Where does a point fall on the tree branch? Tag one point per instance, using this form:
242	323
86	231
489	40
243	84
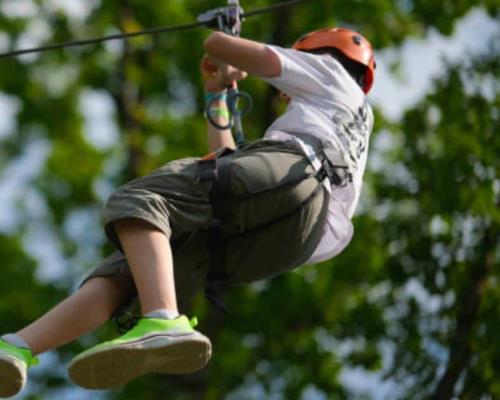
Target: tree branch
460	347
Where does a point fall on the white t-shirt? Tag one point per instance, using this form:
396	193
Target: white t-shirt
327	103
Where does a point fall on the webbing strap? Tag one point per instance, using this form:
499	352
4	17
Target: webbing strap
329	171
212	293
207	169
215	170
217	250
333	165
220	194
217	262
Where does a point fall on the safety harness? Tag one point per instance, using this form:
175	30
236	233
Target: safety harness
216	169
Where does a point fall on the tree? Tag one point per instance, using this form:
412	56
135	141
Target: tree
297	333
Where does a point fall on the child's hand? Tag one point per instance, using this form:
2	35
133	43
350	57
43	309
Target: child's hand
218	75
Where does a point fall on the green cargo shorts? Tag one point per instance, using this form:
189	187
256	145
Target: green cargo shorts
274	219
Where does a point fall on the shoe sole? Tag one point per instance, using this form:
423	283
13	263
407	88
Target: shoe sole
164	354
12	376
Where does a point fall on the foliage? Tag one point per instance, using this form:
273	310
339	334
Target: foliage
413	299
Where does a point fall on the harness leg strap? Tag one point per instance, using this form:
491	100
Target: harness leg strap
211	168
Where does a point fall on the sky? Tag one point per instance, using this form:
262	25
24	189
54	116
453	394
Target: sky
421	61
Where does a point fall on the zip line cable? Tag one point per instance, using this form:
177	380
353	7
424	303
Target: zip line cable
151	31
102	39
273	7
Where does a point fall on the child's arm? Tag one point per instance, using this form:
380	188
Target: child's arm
217	76
227	58
218	138
246	55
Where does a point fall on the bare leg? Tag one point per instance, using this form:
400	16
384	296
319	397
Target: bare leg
150	259
175	347
81	313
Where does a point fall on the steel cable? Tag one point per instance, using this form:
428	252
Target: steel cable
151	31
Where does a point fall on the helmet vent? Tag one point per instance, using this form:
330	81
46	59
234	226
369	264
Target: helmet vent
357	39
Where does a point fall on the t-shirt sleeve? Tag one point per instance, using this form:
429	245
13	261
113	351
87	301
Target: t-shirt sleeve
302	74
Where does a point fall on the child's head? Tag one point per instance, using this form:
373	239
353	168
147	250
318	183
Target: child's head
348	47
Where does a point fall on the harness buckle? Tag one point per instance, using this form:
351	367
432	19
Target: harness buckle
207	169
338	175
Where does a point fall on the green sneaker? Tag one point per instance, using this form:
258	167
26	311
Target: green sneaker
152	346
14	363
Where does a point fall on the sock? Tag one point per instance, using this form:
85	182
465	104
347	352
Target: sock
162	314
15	340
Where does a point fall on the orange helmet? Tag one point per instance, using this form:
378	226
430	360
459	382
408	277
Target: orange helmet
350	43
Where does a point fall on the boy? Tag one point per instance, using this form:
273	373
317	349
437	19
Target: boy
266	208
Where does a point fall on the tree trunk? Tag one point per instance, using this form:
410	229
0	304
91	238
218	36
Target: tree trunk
470	300
127	102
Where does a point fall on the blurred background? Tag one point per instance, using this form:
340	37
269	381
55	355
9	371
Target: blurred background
409	311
